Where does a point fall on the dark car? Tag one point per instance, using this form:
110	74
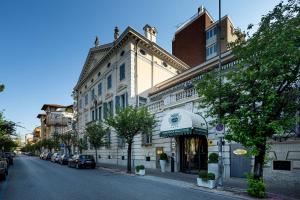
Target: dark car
47	156
82	161
64	159
9	158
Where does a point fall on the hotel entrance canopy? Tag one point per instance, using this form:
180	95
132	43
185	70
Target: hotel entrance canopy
182	122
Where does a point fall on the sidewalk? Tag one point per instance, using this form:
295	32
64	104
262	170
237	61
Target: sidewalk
235	186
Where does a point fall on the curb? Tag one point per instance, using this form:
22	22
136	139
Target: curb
228	191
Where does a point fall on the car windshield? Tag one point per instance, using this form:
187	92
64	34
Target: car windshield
86	157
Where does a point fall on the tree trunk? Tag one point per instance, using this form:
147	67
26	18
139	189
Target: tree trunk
96	156
129	158
259	161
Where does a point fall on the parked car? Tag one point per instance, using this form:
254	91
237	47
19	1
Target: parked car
82	161
57	158
3	168
42	155
9	158
53	157
64	159
47	156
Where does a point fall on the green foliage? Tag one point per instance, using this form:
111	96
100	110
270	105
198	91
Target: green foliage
68	139
163	156
129	122
95	133
259	97
81	143
213	158
2	87
256	188
139	167
205	176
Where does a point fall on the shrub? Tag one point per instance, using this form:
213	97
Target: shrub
213	158
139	167
256	188
163	156
206	176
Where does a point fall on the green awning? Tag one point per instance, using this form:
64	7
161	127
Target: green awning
183	131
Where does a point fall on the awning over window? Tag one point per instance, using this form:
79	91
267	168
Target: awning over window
181	122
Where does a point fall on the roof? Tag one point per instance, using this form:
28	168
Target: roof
45	106
191	73
129	31
40	115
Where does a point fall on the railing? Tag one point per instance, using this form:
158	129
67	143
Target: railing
156	106
171	99
183	95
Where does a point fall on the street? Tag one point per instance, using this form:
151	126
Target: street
34	179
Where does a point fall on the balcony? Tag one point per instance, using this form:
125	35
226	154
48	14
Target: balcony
172	99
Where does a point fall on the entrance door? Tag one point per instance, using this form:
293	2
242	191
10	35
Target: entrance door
239	164
193	153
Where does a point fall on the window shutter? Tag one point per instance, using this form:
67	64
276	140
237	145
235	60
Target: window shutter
105	110
112	108
126	99
117	102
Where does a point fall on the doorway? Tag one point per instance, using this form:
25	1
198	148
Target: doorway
193	153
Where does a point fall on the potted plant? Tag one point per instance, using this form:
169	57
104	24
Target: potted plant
206	179
140	170
213	165
163	159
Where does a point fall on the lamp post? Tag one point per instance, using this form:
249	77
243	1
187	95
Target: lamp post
221	127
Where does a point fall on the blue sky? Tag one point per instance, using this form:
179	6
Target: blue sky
44	43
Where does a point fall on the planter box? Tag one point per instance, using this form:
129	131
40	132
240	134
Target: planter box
213	168
208	184
141	172
162	165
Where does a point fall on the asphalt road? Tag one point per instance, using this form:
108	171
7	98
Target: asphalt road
33	179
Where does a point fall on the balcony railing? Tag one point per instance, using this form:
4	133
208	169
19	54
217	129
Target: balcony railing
172	99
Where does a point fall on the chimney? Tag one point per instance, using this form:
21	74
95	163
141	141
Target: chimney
150	33
116	34
200	9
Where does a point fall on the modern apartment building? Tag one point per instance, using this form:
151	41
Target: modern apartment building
195	41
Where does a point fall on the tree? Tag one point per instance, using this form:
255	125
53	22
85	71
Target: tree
95	133
68	139
129	122
81	143
260	97
2	87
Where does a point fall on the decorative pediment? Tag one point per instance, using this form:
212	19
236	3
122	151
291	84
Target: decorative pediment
121	87
108	95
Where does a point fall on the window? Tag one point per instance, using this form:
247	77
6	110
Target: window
108	65
121	101
165	64
100	113
121	142
93	115
99	89
146	139
211	32
142	52
282	165
107	138
86	99
211	50
108	109
99	73
92	94
122	72
122	53
96	113
80	103
109	82
142	101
